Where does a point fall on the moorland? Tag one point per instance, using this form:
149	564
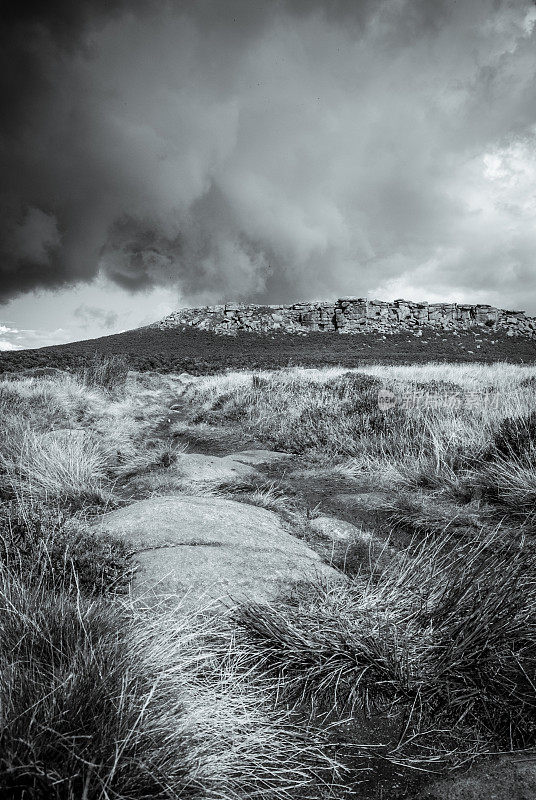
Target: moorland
410	675
185	349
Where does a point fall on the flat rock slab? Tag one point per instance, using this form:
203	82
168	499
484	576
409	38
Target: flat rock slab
259	457
205	549
504	778
195	467
339	529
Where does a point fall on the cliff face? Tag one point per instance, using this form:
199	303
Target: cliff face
351	315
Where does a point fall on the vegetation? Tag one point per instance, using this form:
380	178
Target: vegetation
101	700
445	644
431	640
99	696
203	353
440	637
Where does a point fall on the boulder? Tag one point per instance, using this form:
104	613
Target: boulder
213	550
339	529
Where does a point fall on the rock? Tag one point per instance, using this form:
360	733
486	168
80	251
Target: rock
204	549
195	467
350	315
504	778
259	457
337	529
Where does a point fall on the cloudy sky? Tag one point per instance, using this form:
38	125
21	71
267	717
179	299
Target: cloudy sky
184	152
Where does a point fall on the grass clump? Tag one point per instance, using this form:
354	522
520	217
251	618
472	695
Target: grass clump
69	466
49	548
104	372
515	437
64	441
103	701
444	642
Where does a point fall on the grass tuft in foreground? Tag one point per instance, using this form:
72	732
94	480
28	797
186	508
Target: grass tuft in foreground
444	642
103	700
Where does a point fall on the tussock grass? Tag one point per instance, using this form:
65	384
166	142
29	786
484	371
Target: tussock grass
65	439
46	547
104	372
446	641
100	701
428	514
70	467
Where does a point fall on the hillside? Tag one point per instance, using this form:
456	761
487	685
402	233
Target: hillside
201	352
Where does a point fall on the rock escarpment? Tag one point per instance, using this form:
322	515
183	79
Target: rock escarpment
351	315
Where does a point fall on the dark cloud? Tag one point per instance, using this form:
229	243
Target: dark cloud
269	150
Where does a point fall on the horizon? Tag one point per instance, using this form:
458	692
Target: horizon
169	154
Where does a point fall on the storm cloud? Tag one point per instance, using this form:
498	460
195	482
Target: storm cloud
271	150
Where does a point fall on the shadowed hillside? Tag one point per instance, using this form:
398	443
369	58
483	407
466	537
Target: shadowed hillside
184	349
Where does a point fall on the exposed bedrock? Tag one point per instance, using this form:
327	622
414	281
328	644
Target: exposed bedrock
351	315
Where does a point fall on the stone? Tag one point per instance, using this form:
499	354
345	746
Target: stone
503	778
258	457
201	550
349	315
339	529
196	467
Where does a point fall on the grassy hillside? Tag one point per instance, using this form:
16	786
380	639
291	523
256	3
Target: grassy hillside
199	352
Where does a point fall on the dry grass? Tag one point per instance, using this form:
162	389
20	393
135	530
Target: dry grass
446	641
65	439
443	641
103	701
101	698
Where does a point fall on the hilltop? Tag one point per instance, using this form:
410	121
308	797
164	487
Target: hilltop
191	340
351	315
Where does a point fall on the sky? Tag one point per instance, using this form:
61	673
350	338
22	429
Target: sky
165	153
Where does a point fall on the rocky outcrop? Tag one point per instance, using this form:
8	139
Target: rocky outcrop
351	315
